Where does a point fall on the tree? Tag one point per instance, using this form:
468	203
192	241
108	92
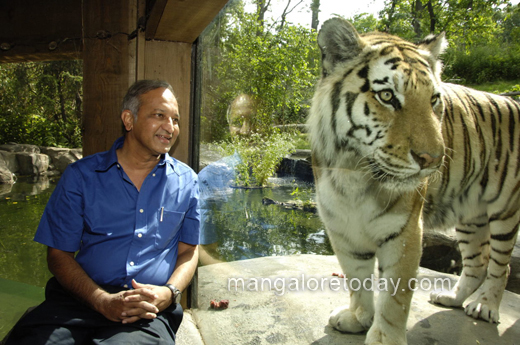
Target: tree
315	9
275	67
41	103
465	21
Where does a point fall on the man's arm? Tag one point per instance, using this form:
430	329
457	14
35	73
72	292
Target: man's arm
113	306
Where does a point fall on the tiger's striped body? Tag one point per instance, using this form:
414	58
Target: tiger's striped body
393	148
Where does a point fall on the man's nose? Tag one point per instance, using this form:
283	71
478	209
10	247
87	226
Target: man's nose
169	125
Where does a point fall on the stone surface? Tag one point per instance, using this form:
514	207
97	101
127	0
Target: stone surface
9	158
23	159
188	333
6	176
13	147
270	317
60	158
32	163
297	164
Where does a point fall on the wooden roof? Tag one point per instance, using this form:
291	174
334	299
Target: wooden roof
35	30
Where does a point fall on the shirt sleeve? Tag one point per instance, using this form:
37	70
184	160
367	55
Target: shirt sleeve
191	225
61	225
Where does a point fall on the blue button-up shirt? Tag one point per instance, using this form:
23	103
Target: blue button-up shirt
121	233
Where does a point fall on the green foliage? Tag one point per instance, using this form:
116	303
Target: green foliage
364	22
40	103
277	66
465	22
483	34
482	64
260	155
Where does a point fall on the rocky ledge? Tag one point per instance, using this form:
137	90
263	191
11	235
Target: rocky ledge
32	160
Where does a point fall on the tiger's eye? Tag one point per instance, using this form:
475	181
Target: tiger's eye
386	95
435	98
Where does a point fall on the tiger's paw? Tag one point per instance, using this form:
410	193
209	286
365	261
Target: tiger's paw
445	298
344	320
378	336
482	309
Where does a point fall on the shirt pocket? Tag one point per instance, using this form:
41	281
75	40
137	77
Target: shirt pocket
169	224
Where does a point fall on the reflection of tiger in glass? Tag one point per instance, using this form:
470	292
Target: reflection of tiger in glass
389	137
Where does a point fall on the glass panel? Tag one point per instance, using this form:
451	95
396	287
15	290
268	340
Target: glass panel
255	172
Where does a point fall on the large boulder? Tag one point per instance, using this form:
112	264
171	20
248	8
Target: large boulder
6	176
60	158
13	147
9	158
32	163
297	164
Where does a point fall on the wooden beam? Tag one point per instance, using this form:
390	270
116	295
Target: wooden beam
171	61
181	20
155	10
35	30
109	68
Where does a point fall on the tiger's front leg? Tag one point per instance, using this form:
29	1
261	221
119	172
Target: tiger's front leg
358	316
398	261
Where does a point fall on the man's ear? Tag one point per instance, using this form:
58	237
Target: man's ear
128	120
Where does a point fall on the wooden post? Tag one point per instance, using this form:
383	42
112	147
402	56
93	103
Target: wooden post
171	61
109	68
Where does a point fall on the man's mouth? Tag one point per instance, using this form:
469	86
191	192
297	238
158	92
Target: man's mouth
164	138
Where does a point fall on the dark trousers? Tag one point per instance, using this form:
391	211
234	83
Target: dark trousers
63	320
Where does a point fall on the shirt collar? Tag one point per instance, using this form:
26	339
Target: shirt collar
109	158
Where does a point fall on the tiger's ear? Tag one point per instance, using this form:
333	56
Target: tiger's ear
434	45
339	41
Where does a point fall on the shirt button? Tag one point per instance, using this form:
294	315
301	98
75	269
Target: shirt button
125	286
141	210
131	263
153	175
139	235
118	166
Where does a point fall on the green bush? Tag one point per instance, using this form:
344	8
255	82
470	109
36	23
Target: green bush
483	64
260	155
41	103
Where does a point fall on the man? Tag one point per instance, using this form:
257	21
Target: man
131	215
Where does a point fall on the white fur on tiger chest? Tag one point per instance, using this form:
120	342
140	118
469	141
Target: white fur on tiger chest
353	210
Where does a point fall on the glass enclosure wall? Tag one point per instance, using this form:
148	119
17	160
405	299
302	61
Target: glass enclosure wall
257	78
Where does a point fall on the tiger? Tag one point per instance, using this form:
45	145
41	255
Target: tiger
396	150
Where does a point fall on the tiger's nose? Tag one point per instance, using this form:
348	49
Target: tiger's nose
425	160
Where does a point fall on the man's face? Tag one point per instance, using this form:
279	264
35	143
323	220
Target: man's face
157	124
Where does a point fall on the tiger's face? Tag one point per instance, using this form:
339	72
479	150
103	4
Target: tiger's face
381	100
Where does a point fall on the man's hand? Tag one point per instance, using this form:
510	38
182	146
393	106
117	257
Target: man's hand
128	306
162	295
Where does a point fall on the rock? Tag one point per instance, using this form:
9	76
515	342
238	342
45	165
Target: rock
5	188
293	298
441	252
32	163
292	205
513	284
10	160
60	158
12	147
6	176
34	160
297	164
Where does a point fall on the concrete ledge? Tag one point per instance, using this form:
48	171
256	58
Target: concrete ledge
188	333
270	317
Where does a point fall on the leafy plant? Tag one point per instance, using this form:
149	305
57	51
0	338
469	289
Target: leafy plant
260	155
41	103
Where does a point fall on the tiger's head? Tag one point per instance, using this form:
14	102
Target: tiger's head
378	105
